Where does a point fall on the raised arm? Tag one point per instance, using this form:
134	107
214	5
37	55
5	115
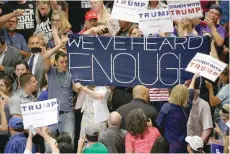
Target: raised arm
8	16
49	53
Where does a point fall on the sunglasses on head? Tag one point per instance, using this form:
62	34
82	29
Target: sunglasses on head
224	110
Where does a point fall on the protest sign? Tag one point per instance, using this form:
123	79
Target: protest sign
127	10
208	66
180	9
125	61
159	94
216	148
39	114
151	21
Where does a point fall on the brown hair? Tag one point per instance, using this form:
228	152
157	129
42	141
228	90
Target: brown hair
24	79
7	83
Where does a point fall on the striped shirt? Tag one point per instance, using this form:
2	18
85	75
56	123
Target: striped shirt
17	144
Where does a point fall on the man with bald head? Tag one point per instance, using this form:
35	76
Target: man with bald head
113	137
140	100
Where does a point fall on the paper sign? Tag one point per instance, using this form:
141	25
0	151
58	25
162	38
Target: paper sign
208	66
159	94
216	148
39	114
127	10
180	9
155	20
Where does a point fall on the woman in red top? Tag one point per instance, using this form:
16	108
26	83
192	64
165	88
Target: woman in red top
141	134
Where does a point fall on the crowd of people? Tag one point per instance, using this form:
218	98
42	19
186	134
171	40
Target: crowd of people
34	67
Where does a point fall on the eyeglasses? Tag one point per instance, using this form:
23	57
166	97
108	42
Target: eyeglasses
224	110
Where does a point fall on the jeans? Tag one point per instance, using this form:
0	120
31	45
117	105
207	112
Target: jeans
66	123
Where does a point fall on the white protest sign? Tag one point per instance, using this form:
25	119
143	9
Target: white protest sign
155	20
208	66
127	10
180	9
39	114
159	94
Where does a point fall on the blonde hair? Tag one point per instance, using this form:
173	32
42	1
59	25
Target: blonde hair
179	95
65	25
103	14
37	13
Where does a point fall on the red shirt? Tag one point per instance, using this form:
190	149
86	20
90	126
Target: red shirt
142	145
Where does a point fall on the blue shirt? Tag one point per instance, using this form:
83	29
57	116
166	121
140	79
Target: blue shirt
17	144
43	95
223	94
17	41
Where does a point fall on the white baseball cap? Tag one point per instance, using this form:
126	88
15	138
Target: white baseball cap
195	142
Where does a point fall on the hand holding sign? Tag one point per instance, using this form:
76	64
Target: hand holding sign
196	75
208	85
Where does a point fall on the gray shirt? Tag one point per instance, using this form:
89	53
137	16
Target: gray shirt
114	139
60	87
19	97
200	118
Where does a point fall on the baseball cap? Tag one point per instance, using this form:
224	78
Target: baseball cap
92	130
16	123
216	7
195	142
91	15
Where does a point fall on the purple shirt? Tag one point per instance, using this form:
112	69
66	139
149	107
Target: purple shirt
220	29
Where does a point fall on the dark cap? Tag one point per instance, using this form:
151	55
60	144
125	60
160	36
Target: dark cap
216	7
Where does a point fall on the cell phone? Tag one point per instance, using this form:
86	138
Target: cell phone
32	130
36	50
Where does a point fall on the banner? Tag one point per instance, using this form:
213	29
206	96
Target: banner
39	114
158	94
208	66
180	9
127	10
216	148
126	61
151	21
